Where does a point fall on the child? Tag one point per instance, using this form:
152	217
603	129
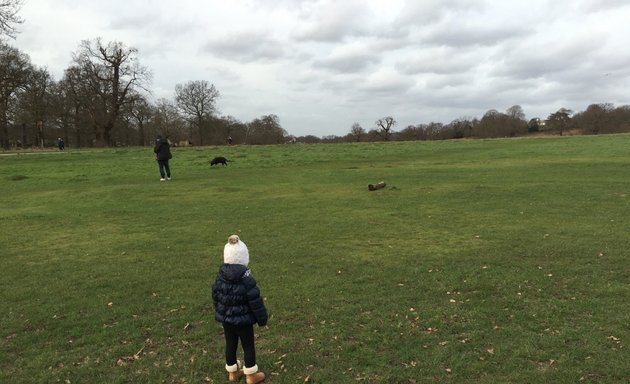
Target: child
238	306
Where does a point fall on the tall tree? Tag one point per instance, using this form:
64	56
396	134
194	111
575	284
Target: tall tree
265	130
9	18
15	69
597	117
167	121
112	71
384	126
197	101
35	107
515	123
559	120
515	112
75	98
462	127
357	131
141	112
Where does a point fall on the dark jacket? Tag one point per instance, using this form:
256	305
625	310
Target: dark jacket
162	150
236	297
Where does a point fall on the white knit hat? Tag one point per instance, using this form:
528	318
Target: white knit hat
235	251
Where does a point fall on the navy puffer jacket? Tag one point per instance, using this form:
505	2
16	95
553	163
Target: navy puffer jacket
236	297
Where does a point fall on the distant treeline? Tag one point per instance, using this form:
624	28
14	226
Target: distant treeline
596	119
102	100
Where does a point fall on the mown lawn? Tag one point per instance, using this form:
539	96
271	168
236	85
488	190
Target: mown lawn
486	261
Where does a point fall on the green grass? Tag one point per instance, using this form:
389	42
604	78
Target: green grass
486	261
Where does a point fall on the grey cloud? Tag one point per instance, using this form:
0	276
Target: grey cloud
348	60
386	82
440	60
332	21
427	12
329	63
472	35
245	47
547	58
604	5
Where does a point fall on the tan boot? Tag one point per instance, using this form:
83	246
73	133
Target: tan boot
234	371
235	376
253	376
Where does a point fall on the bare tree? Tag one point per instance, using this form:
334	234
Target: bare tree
74	95
9	18
462	127
265	130
515	112
140	111
34	108
167	121
197	100
357	131
112	72
515	123
15	70
597	117
384	126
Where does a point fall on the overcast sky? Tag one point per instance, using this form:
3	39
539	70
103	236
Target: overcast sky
322	65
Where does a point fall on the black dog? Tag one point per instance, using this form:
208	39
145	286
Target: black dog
219	160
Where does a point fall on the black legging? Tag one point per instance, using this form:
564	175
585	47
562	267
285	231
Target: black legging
246	335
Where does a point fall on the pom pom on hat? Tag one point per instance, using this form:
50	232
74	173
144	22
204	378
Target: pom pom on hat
235	251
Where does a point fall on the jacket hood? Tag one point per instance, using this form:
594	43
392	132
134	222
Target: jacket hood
232	272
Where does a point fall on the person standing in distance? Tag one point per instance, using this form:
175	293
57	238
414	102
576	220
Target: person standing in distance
163	155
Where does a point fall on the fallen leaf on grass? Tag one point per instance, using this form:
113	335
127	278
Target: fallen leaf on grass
122	361
614	339
411	364
543	365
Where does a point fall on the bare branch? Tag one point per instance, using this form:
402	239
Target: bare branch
9	18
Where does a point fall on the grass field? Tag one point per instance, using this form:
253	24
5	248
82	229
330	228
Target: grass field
486	261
